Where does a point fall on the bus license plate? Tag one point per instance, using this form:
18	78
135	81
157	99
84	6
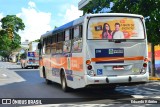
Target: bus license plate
118	68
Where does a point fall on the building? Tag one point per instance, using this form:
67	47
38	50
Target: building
25	45
33	46
15	55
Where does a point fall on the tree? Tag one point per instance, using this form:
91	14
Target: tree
9	37
13	22
55	27
96	6
37	40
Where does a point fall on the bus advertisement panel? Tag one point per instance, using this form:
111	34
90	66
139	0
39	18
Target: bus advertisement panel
115	28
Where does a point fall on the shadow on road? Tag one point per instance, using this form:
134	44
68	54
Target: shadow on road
35	87
22	69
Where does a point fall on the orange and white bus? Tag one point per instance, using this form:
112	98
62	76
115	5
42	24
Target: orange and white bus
108	49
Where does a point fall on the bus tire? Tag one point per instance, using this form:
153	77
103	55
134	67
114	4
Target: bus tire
21	66
44	76
43	71
25	66
65	88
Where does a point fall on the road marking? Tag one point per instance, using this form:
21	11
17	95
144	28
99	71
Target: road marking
152	89
138	96
4	75
157	97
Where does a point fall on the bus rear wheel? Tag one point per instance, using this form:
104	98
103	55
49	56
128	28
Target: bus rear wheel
44	76
65	88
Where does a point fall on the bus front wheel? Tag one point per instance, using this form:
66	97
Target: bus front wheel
65	88
21	66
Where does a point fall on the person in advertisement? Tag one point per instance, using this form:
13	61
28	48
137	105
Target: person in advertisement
117	34
107	33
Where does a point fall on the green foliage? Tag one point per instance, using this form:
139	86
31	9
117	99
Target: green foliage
23	55
37	40
96	6
13	22
55	27
10	27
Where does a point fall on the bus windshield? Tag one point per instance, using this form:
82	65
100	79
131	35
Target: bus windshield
115	28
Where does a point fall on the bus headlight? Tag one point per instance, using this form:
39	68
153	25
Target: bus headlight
143	71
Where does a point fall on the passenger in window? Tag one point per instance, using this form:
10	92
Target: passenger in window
107	33
117	34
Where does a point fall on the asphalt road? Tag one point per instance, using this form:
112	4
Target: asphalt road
26	83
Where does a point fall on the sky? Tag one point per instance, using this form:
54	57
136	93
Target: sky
40	16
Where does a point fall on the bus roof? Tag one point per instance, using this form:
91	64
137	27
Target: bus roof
115	14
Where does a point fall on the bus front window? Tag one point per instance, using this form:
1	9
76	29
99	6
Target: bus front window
115	28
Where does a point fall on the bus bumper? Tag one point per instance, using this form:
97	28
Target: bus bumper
129	79
32	65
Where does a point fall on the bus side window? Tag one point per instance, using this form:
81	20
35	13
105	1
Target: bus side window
71	33
46	40
77	40
80	31
53	45
44	46
67	42
67	35
40	47
60	43
48	43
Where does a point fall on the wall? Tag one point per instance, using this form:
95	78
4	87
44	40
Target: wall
157	58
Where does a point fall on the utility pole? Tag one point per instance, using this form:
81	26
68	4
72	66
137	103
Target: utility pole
153	59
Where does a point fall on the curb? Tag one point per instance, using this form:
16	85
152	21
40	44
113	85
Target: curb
154	78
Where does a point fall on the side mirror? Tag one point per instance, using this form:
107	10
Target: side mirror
39	46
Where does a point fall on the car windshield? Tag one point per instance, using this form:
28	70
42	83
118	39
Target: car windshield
115	28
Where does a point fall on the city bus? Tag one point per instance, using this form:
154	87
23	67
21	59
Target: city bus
105	49
29	59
